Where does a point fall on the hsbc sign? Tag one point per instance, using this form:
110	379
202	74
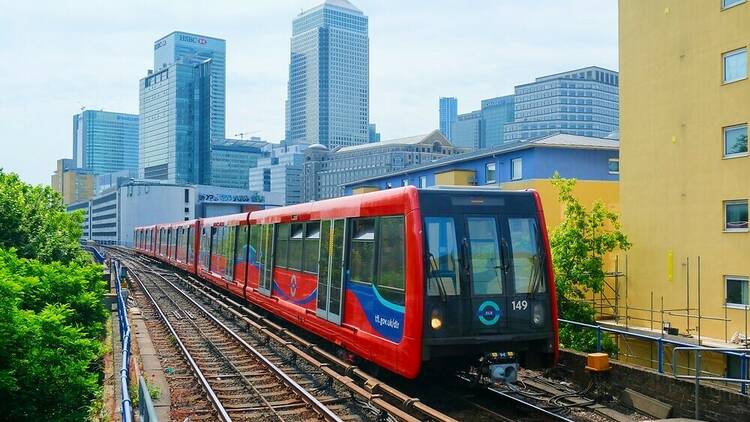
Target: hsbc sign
192	39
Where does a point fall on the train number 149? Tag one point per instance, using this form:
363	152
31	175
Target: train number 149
520	305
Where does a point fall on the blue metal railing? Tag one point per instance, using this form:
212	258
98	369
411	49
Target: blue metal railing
660	343
122	314
98	256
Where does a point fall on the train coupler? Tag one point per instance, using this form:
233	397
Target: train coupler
500	367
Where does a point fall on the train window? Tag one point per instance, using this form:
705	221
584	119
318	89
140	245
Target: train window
218	260
295	246
282	245
391	258
175	242
311	247
363	250
254	245
527	265
443	257
486	271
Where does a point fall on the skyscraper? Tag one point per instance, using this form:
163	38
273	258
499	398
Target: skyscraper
182	108
105	142
328	92
448	115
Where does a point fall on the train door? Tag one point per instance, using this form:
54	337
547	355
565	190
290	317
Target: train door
265	258
487	265
331	270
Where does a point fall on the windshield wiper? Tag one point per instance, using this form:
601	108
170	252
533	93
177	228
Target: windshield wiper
432	273
536	273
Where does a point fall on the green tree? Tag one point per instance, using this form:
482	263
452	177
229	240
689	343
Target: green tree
579	245
51	313
33	220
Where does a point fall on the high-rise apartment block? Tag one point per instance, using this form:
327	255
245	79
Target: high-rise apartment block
104	141
448	115
182	108
328	92
582	102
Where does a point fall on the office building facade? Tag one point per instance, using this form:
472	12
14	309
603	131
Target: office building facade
105	141
496	113
278	175
72	183
182	109
466	131
232	159
326	172
448	109
582	102
328	91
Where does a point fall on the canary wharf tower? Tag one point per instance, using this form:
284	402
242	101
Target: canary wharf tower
329	70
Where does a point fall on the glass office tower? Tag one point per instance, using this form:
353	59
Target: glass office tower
328	92
182	108
448	115
105	142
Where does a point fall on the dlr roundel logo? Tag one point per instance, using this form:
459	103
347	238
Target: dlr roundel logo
488	312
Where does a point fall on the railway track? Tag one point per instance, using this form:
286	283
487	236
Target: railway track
365	397
240	382
369	398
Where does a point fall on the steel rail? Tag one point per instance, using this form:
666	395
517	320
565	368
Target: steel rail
306	396
213	398
350	376
525	403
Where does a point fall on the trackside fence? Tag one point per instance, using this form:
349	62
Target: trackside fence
146	409
742	354
118	271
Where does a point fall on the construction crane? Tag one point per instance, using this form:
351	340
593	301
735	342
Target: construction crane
243	134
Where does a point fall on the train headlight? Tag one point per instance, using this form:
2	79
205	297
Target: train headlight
436	319
537	314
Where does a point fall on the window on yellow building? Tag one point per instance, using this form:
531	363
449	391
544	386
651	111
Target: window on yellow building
726	4
735	141
736	290
735	65
735	215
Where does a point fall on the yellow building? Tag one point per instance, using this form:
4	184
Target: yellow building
73	184
685	174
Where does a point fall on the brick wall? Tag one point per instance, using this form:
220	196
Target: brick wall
716	403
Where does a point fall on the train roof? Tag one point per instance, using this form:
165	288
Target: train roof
385	202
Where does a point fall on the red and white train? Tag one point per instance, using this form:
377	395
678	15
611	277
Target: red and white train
404	278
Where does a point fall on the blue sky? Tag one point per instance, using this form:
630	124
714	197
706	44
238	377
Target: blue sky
62	55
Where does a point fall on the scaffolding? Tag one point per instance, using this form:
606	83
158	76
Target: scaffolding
613	307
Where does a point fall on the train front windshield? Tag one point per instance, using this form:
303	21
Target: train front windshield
485	269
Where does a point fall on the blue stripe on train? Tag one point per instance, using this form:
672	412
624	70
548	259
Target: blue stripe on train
385	317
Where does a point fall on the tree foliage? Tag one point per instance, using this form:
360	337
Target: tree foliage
51	311
578	246
34	222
